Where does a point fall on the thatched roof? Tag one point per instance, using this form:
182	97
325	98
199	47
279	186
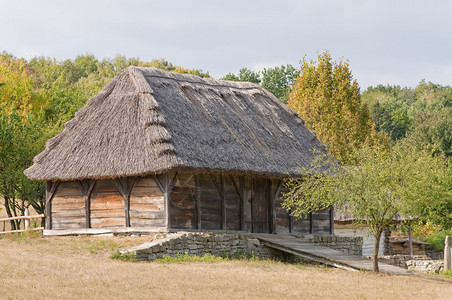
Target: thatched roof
146	121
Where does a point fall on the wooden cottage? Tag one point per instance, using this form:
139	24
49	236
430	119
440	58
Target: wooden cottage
157	150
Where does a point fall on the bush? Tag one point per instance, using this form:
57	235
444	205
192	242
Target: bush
123	256
436	239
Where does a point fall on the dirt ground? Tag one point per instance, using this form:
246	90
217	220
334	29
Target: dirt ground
81	267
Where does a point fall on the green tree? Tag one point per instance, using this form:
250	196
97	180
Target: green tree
380	187
327	97
245	74
279	81
20	141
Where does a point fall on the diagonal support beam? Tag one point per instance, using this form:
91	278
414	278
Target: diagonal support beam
124	186
51	188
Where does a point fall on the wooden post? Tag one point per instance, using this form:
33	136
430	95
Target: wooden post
239	191
87	188
311	225
223	203
50	193
169	185
27	221
242	202
290	223
251	203
124	186
275	197
448	254
269	197
48	208
331	211
166	199
410	241
198	201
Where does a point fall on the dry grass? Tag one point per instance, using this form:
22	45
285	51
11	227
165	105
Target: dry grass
80	267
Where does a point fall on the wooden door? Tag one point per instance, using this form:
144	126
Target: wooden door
260	206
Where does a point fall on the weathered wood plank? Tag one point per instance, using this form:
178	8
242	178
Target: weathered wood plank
102	222
147	181
147	200
147	214
147	222
146	191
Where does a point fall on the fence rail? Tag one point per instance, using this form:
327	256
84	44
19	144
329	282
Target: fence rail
26	219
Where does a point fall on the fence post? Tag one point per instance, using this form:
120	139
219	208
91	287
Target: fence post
27	221
447	253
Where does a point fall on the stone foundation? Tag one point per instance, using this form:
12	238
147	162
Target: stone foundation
425	265
200	243
399	260
350	245
228	244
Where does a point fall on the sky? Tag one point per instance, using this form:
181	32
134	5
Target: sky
386	42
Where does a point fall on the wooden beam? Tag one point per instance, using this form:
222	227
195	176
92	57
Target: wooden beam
269	197
273	215
173	182
251	203
239	192
290	223
125	186
332	220
87	187
166	199
198	201
50	193
159	183
242	204
217	186
223	204
169	185
220	189
311	225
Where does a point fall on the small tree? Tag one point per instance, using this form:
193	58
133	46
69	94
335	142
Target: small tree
378	188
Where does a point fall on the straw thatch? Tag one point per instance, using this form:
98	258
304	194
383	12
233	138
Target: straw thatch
146	121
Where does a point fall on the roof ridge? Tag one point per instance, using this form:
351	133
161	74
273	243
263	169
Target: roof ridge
137	77
190	78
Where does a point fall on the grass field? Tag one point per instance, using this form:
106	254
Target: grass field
81	267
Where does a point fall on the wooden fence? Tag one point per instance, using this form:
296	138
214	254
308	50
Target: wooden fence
26	223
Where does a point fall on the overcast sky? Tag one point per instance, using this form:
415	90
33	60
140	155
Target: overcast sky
386	42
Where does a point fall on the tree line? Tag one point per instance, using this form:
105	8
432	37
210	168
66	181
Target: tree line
364	130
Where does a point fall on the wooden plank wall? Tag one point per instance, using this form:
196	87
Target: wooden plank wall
206	202
107	205
147	204
282	216
232	202
247	197
201	201
321	222
182	206
210	201
317	223
68	206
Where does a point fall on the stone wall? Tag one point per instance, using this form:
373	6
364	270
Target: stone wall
200	243
425	265
399	260
228	244
350	245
